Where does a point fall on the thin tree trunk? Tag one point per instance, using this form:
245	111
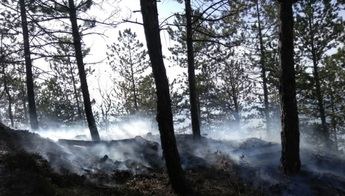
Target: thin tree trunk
134	89
325	132
164	113
75	91
334	121
7	91
83	81
28	66
24	104
135	97
191	74
263	69
9	97
5	81
236	105
290	158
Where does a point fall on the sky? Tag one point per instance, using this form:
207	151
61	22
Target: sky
126	9
98	44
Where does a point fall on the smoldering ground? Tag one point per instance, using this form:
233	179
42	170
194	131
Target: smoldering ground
136	149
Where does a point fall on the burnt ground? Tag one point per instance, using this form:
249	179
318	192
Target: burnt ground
23	172
31	165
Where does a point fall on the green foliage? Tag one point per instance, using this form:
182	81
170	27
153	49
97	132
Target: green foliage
322	22
216	34
133	81
318	30
12	89
333	86
55	105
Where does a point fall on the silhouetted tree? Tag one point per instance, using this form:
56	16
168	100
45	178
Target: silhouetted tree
263	66
28	65
193	97
82	75
318	26
164	113
129	60
290	129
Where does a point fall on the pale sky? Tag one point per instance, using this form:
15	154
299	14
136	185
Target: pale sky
98	44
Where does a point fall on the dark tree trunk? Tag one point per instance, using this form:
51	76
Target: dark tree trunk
28	66
290	158
164	113
191	73
263	69
82	75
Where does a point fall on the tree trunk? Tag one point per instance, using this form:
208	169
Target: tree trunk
319	96
23	99
9	97
7	91
164	113
75	91
290	158
83	81
334	121
191	73
135	97
263	69
28	66
236	105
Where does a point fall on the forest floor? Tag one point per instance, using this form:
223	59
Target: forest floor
31	165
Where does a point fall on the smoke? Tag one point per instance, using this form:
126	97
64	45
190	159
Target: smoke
120	130
254	152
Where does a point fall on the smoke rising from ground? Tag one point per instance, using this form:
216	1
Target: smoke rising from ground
121	130
255	153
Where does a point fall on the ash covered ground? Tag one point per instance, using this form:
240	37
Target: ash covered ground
135	166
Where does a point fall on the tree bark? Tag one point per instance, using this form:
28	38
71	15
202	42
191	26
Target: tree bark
164	113
82	75
191	74
28	66
263	69
290	158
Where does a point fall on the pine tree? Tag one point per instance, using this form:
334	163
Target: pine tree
332	76
164	113
65	72
211	34
128	59
321	22
193	97
82	75
290	129
28	65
